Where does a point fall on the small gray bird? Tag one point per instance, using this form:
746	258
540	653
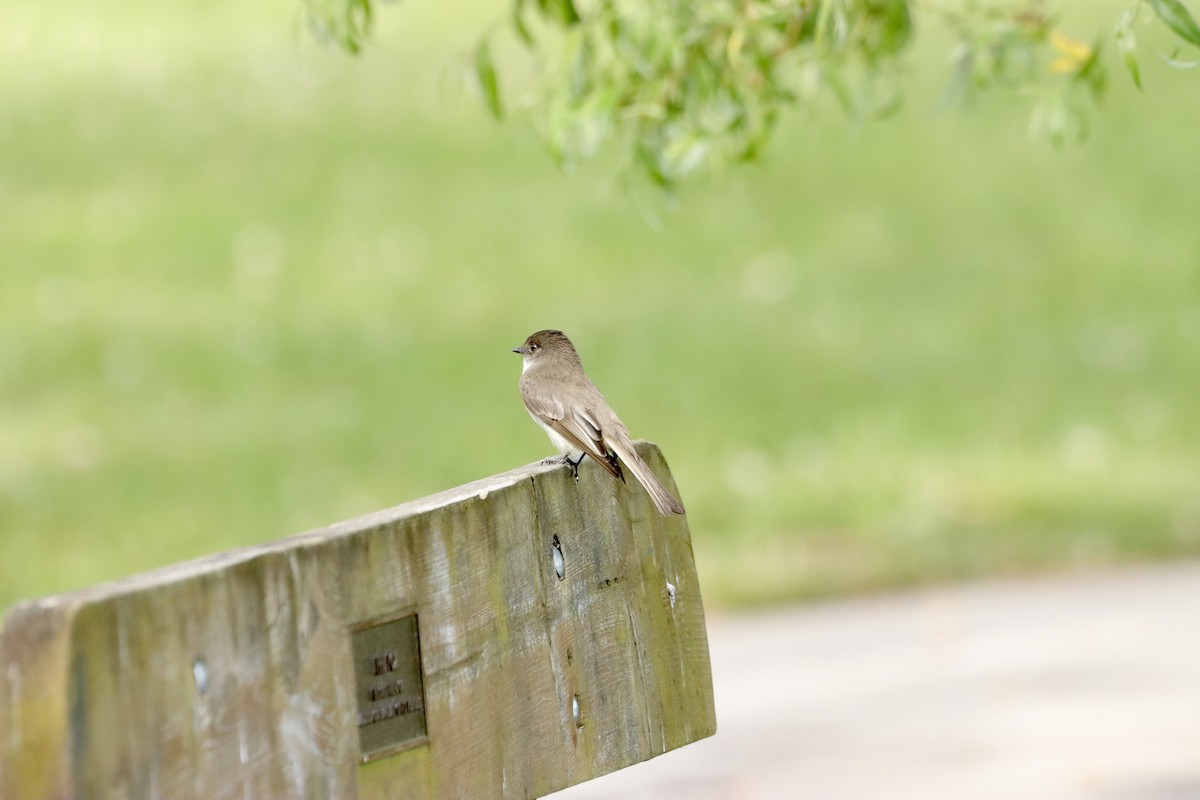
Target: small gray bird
568	406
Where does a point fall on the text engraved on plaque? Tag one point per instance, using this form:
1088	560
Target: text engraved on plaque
391	698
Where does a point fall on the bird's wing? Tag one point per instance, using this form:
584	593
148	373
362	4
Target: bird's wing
579	427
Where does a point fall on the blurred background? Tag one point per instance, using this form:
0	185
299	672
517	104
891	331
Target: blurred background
251	286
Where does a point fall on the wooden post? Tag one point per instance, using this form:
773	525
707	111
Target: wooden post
505	639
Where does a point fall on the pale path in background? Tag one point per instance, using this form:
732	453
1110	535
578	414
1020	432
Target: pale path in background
1084	687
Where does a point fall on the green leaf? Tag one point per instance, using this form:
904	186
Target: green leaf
1127	43
485	73
1178	63
518	23
895	25
560	11
1131	64
647	156
1092	73
1176	17
357	24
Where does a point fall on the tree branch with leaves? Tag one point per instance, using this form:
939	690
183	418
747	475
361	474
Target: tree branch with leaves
679	86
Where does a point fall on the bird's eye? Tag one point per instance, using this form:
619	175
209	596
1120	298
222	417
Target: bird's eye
532	347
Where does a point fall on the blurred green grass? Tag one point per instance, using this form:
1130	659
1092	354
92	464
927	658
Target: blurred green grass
250	287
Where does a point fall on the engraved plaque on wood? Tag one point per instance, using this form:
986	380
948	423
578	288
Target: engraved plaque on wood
391	696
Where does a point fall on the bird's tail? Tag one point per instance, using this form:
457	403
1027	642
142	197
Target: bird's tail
663	500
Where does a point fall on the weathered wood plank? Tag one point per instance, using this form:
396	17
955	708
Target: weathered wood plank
233	676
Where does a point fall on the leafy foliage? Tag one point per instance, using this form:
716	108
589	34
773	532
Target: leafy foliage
347	22
681	85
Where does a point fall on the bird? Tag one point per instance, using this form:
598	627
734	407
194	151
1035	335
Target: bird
566	404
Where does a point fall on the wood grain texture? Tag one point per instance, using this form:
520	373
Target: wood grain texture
232	676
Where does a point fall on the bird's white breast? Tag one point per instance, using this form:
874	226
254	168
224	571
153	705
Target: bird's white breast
561	444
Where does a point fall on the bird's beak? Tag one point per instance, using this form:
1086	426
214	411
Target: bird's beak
518	350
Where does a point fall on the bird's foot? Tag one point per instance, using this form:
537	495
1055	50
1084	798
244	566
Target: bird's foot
575	466
565	459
